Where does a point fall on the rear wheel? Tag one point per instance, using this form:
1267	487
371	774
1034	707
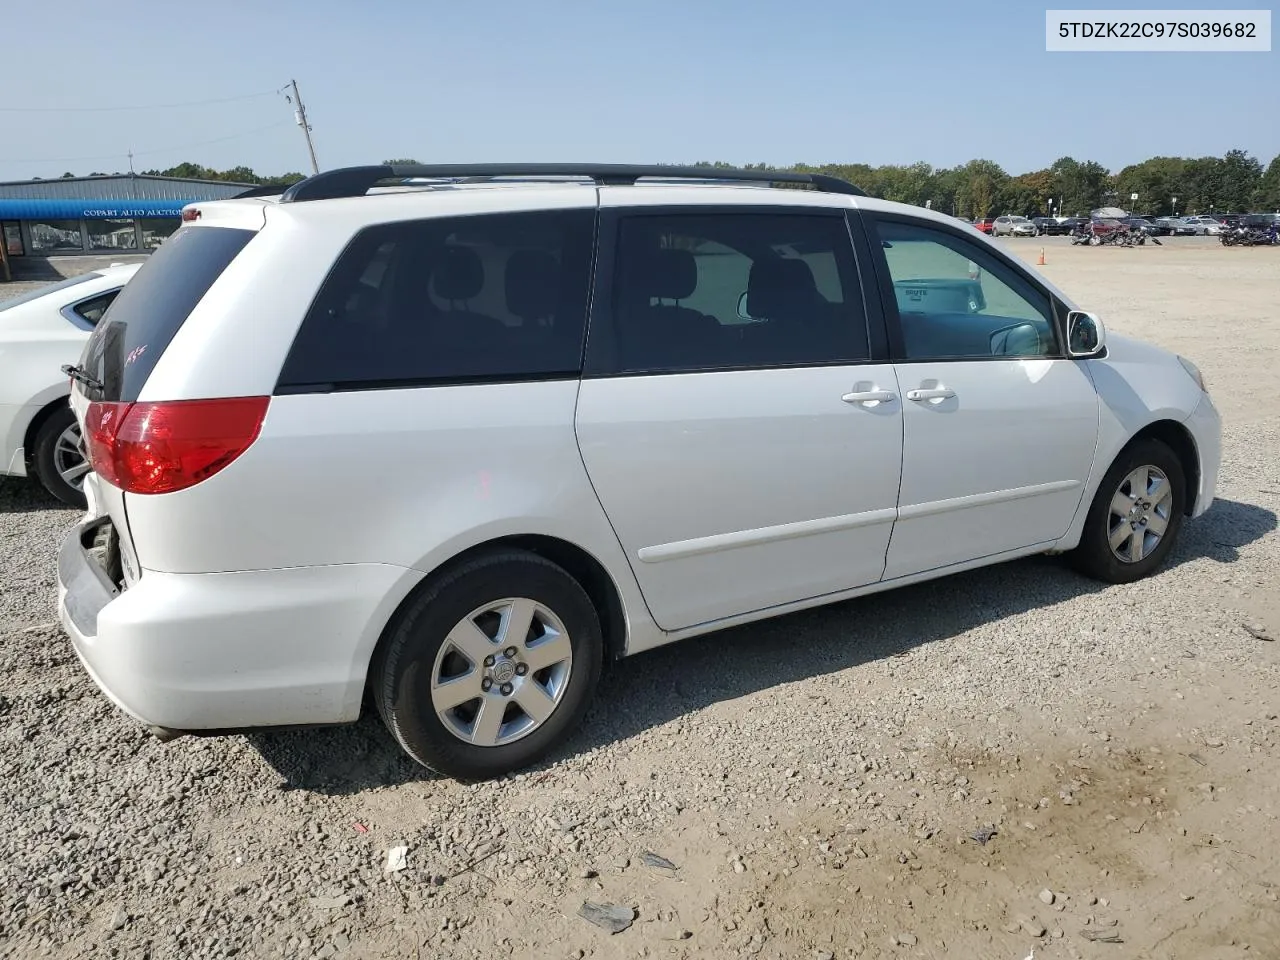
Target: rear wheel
1135	516
56	458
490	667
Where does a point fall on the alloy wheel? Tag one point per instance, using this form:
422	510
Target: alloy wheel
501	672
67	458
1139	514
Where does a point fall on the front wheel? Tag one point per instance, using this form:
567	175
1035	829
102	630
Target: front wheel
1135	516
56	458
490	667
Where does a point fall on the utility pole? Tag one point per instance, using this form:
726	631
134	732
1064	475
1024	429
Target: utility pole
301	115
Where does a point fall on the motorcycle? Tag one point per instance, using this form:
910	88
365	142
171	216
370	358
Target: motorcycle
1244	236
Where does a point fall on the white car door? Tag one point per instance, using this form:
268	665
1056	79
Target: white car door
999	428
743	442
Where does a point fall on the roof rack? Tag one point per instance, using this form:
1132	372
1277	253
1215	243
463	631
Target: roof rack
266	190
357	181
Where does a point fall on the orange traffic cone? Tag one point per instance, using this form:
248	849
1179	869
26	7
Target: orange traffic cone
1040	262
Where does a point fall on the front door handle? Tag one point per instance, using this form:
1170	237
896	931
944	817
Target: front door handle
937	393
869	396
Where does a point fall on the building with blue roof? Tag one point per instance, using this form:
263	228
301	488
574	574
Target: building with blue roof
102	215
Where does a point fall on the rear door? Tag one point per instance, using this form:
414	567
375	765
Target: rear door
737	417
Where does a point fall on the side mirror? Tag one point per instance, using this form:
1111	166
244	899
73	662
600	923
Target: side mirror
1086	335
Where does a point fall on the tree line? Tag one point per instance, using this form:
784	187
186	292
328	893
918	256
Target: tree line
194	171
1233	183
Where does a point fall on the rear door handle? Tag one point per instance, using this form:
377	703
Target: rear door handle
869	396
939	393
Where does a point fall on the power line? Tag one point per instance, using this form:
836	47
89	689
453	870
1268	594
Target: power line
143	153
153	106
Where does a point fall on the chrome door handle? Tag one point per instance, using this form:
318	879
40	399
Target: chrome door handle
869	396
939	393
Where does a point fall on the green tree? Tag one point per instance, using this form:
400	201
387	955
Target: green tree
1027	194
978	185
912	184
1080	187
1240	175
1267	196
1203	185
1156	182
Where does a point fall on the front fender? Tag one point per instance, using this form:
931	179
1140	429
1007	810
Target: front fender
1138	385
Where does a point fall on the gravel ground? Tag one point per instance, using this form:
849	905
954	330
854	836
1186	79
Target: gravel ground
825	785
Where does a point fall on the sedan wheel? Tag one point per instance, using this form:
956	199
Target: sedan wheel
489	666
56	458
70	463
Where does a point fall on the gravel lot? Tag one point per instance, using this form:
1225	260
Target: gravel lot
815	780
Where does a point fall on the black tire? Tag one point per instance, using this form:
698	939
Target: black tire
44	457
1094	556
401	672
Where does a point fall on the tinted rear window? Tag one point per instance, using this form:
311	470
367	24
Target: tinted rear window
134	332
487	297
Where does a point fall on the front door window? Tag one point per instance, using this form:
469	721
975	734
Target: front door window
957	301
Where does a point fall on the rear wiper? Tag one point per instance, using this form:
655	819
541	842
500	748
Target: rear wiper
78	374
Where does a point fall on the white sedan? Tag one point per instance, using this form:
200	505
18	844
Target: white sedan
39	333
1204	226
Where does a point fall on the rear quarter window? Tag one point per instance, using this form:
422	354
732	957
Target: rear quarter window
487	297
135	330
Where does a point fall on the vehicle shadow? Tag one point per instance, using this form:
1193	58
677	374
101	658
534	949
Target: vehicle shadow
654	687
25	495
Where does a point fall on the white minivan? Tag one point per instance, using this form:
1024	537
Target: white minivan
458	436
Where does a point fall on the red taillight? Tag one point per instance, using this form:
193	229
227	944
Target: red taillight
163	447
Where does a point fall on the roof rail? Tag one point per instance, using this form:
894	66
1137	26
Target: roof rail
266	190
356	181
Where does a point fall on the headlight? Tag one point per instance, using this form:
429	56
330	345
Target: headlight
1194	371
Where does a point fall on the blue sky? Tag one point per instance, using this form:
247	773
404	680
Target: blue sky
661	81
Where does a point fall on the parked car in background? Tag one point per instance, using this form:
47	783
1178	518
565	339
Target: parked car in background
1145	225
1203	226
985	224
1178	227
374	450
1065	225
1011	226
39	333
1101	226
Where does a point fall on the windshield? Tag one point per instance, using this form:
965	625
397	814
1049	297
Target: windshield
45	291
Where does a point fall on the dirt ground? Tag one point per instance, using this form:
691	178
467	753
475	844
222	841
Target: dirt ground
1011	763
